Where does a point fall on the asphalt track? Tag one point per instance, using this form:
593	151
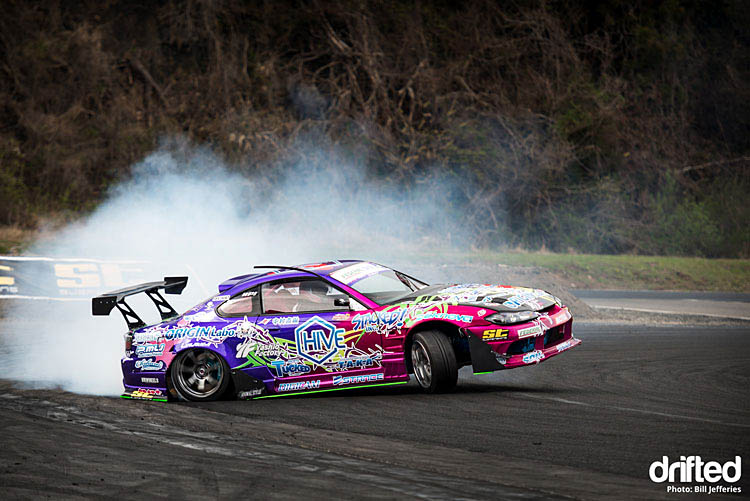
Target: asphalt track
723	305
584	425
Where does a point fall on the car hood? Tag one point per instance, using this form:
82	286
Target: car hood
491	297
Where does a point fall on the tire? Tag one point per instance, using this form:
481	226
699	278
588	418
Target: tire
434	361
200	375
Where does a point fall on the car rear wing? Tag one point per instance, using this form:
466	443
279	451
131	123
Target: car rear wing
104	304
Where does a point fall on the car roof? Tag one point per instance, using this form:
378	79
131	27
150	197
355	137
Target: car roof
321	268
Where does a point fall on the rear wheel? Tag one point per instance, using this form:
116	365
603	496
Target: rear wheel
200	375
434	361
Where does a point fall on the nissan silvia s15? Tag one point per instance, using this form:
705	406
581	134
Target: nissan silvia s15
330	326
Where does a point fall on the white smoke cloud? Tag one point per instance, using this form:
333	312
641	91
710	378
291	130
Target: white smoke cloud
184	206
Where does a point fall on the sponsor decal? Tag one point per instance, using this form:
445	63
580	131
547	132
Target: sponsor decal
534	305
529	331
280	321
425	315
203	316
7	283
690	469
368	378
250	393
149	365
327	264
258	342
221	298
358	362
148	337
149	380
564	346
249	294
520	299
494	334
249	346
357	272
340	317
150	350
146	393
534	356
290	368
379	321
481	313
562	317
318	340
205	332
300	385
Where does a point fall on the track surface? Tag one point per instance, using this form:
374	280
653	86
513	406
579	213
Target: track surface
712	304
584	425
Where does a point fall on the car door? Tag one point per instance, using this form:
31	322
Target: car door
312	320
240	315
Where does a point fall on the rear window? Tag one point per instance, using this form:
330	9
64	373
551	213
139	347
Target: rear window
243	304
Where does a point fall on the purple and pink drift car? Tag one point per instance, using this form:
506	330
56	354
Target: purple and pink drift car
330	326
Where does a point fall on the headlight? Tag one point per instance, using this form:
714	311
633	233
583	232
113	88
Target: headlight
558	301
511	317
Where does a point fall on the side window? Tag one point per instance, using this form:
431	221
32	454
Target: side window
243	304
301	296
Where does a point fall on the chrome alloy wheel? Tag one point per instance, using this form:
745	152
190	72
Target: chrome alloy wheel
198	373
421	363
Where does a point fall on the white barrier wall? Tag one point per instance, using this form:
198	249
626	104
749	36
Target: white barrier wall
68	279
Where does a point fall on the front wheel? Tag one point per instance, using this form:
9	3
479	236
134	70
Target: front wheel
434	361
200	375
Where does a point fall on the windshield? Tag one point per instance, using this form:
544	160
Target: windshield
377	283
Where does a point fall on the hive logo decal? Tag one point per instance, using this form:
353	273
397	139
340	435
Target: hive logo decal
318	340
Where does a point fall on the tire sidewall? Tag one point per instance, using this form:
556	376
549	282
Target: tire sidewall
223	385
442	359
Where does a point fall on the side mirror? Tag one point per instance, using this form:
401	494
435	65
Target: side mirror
341	301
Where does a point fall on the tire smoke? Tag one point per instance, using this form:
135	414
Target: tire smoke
184	206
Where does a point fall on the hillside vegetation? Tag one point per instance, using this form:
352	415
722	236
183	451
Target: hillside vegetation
602	127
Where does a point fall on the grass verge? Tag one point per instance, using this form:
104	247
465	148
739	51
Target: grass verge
591	271
581	271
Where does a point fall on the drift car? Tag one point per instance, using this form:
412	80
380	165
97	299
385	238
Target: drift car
330	326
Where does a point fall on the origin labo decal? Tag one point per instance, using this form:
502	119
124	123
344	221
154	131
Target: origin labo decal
368	378
529	331
149	380
208	332
494	334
